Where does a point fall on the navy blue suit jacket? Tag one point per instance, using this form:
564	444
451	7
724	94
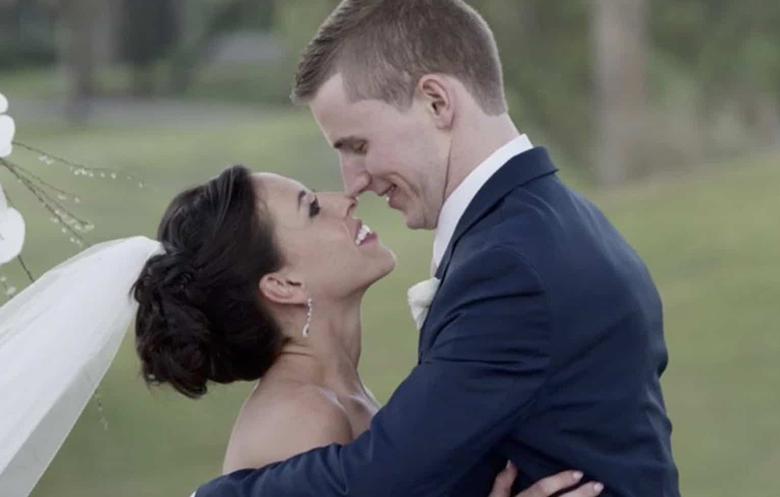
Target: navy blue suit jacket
543	345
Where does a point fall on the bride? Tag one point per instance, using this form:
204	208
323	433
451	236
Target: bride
254	276
262	278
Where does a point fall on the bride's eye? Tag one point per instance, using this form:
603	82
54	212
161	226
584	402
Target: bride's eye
314	207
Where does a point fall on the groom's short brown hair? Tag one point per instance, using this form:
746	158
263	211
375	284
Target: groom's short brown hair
383	47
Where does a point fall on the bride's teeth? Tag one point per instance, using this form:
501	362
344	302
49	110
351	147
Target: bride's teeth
362	234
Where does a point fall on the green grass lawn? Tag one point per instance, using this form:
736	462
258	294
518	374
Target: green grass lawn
710	238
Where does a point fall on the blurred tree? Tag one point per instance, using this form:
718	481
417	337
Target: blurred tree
620	48
149	29
78	54
731	50
296	22
26	33
546	58
202	21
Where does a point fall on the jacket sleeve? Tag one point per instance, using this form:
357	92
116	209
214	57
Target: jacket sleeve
488	359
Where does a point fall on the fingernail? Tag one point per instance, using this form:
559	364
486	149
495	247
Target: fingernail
577	475
598	487
508	464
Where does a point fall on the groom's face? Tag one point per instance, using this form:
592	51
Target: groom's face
397	154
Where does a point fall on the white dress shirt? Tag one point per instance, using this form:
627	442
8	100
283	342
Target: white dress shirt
459	200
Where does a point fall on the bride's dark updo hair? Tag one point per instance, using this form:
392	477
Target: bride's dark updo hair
200	317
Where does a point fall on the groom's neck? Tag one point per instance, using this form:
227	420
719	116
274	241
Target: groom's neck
474	140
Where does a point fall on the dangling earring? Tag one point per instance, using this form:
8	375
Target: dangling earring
308	318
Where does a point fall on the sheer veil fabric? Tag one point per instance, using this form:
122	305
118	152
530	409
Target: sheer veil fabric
57	340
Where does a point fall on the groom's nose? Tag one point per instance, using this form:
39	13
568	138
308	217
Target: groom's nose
356	179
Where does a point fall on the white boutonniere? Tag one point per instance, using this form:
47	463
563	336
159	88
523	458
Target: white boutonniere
420	297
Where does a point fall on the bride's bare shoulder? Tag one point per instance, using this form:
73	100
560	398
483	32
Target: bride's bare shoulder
279	421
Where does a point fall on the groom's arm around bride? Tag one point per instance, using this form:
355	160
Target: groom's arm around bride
544	344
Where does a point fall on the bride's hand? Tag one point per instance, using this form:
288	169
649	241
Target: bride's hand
546	487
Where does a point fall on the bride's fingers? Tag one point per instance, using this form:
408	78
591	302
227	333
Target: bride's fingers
554	484
587	490
502	487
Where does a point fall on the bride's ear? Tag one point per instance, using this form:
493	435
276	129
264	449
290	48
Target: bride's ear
281	288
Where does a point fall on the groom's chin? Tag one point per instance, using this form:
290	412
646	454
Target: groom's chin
412	219
417	222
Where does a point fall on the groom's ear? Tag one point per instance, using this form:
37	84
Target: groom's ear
282	288
439	98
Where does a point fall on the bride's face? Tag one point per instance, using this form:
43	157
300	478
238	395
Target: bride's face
322	243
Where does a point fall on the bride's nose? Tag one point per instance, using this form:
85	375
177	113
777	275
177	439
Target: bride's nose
343	205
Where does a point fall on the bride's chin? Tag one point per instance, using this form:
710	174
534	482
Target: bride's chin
383	266
389	262
370	270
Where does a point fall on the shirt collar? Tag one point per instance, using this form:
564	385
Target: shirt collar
459	200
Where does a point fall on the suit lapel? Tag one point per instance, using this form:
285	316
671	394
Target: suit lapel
520	170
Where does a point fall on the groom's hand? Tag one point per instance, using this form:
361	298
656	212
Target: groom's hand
546	487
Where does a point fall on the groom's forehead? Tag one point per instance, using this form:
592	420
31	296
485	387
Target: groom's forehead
331	105
353	126
331	97
342	126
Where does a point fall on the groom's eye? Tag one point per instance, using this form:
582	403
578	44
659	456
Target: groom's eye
360	148
314	207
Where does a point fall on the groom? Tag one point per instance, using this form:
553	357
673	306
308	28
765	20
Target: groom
544	343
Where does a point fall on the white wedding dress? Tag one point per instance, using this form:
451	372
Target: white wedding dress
57	340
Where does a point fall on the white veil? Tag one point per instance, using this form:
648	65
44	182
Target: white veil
57	340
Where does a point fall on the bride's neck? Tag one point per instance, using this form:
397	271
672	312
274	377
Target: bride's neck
330	354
